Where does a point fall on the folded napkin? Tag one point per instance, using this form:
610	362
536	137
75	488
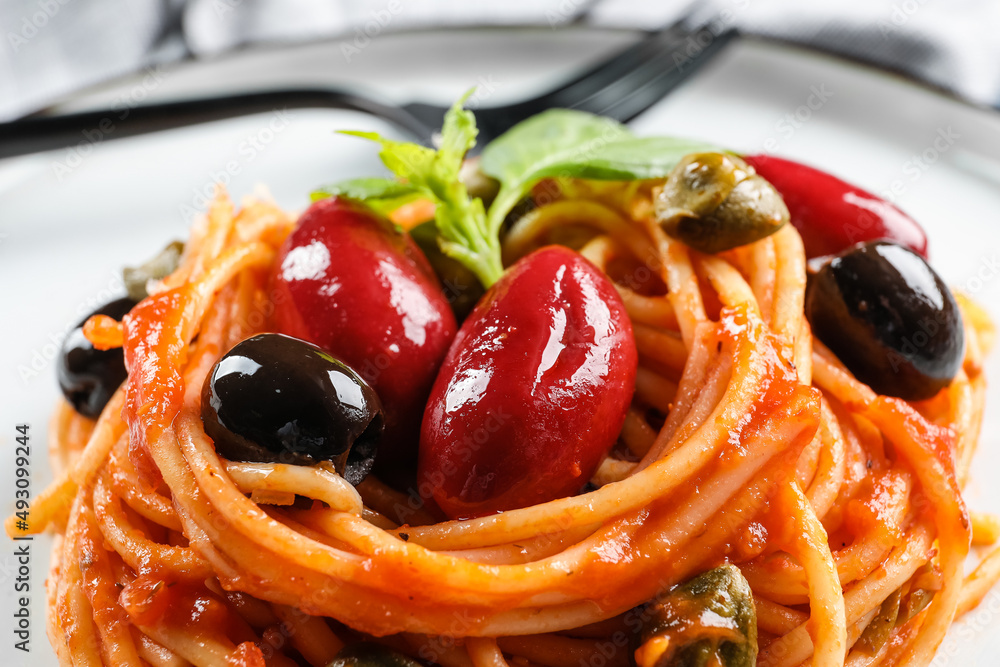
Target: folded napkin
54	47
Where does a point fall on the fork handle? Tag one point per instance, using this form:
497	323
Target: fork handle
41	133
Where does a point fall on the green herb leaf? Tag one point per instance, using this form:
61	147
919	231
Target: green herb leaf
574	144
537	147
460	219
555	143
382	194
637	158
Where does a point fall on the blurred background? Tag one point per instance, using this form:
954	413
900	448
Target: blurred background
53	48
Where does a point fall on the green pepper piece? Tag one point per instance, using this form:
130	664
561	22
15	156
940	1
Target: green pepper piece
879	630
915	602
157	268
369	654
708	620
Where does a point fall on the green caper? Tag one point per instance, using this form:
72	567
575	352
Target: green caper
709	620
716	201
159	267
369	654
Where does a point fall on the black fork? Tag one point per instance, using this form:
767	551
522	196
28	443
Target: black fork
620	87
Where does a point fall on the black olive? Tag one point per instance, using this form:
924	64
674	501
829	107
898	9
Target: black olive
889	317
88	377
368	654
274	398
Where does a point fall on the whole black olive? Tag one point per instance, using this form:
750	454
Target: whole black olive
369	654
889	317
274	398
87	376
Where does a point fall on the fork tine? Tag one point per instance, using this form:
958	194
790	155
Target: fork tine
622	87
621	64
493	121
628	61
625	98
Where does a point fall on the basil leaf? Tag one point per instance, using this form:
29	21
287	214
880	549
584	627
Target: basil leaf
539	147
574	144
550	138
382	194
637	158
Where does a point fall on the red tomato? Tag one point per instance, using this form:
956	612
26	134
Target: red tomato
533	392
347	281
832	215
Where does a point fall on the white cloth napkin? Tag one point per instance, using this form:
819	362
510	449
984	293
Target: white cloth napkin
52	47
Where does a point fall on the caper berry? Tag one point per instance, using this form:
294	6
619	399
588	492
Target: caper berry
889	318
274	398
87	376
716	201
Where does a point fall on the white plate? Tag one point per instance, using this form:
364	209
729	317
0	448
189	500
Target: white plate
64	235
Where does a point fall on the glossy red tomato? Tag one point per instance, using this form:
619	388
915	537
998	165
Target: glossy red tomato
832	215
347	281
533	392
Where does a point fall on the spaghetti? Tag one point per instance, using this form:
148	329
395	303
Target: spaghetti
747	441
